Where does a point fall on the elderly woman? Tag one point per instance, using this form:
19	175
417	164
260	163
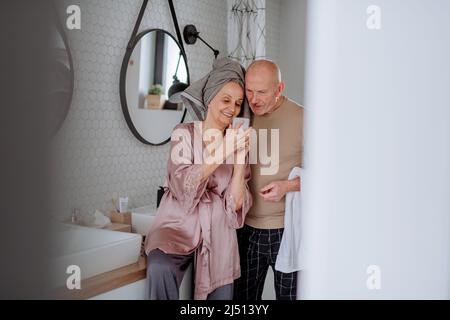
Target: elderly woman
204	201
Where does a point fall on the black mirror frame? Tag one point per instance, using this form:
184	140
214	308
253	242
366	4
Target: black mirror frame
123	74
130	47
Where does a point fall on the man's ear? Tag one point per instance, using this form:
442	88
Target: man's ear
281	87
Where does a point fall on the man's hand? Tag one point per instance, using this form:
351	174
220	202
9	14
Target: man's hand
275	191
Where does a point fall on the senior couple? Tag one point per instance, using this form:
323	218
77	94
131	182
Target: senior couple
225	216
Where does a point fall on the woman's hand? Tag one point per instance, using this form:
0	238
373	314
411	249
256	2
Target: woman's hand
240	144
229	149
239	153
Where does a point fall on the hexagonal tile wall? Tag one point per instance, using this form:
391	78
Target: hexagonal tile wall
95	155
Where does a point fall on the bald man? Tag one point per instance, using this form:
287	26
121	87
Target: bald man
260	238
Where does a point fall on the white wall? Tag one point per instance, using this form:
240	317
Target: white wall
273	20
377	152
292	32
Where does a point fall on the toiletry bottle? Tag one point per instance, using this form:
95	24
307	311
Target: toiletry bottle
123	204
160	194
75	215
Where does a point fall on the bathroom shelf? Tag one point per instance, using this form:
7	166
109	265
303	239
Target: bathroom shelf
119	227
107	281
114	226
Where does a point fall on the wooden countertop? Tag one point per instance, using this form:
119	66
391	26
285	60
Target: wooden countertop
107	281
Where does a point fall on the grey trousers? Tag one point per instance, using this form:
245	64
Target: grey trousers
165	273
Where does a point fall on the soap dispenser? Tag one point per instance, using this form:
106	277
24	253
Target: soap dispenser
161	191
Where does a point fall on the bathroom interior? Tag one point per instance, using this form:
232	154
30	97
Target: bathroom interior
111	142
109	148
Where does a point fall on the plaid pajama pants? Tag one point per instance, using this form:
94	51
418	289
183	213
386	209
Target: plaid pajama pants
258	249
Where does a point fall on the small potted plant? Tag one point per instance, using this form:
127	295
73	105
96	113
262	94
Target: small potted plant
154	96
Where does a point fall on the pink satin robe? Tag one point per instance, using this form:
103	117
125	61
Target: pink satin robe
200	217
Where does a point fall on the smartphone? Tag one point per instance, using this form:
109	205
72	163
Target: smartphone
245	123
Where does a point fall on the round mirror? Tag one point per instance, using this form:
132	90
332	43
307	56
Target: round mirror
62	81
154	72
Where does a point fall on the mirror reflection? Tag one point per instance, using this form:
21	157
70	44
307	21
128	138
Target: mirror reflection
155	66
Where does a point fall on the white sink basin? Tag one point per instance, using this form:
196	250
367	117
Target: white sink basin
95	251
142	218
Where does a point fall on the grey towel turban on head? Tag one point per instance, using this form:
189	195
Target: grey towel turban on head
199	94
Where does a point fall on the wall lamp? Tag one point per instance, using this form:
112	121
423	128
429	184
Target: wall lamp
190	35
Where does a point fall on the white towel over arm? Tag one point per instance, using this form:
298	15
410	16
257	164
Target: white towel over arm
291	253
